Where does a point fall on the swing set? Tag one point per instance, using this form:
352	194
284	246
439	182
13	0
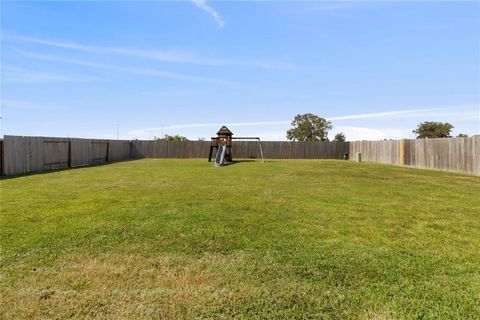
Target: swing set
222	144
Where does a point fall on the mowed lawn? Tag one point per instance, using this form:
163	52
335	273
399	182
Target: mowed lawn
299	239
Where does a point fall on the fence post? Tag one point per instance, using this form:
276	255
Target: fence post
401	152
108	147
69	164
1	157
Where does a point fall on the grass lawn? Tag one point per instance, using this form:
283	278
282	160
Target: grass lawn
296	239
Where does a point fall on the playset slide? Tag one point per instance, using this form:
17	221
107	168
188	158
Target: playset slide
220	158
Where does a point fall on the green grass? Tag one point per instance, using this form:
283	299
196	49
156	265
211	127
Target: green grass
277	240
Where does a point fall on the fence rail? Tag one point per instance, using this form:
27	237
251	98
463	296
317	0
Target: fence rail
20	155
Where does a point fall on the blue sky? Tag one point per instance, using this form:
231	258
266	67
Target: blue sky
375	69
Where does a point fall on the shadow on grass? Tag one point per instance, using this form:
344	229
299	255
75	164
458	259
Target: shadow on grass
109	163
244	161
63	169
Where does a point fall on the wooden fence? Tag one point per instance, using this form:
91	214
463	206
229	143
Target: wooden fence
457	155
169	149
20	155
449	154
31	154
240	149
377	151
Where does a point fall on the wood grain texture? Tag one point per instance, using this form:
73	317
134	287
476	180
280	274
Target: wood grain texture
81	152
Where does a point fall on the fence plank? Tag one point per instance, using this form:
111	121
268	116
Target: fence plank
81	152
15	151
118	150
35	150
99	151
55	153
1	158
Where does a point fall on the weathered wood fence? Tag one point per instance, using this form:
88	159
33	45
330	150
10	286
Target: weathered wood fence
449	154
20	155
240	149
169	149
31	154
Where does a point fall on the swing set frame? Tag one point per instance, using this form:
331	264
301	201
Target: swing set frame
225	138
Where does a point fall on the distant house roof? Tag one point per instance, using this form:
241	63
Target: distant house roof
224	130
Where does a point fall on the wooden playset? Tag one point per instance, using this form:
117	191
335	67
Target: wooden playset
222	144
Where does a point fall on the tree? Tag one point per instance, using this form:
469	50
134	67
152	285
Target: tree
172	138
340	137
433	130
462	135
309	127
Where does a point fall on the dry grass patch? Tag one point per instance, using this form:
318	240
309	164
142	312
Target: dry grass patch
118	286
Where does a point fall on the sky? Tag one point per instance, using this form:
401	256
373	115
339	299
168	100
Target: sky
145	69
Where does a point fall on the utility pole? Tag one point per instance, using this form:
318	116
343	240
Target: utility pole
118	131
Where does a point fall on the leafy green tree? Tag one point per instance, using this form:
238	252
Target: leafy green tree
172	138
340	137
462	135
309	127
430	129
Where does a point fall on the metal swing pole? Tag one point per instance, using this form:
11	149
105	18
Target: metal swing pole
261	150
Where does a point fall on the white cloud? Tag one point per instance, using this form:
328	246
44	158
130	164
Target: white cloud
363	133
448	111
164	55
259	123
153	54
385	115
273	135
372	131
173	93
20	75
202	4
157	130
26	105
133	70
